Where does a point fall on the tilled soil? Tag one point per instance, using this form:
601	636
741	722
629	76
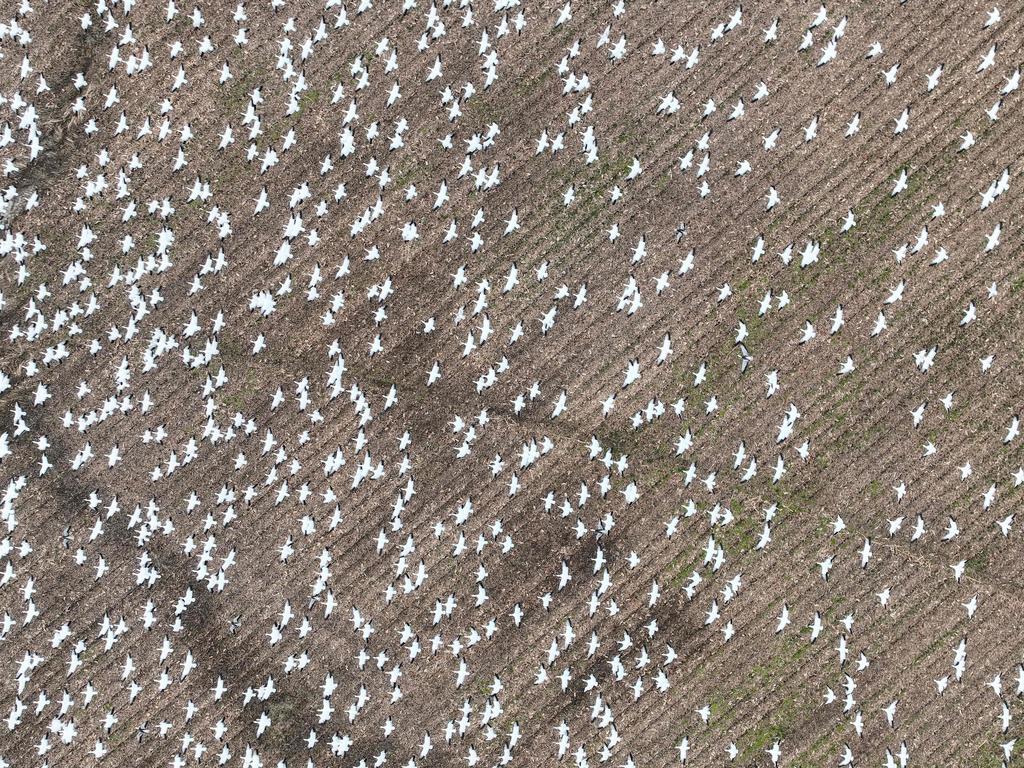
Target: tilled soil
347	422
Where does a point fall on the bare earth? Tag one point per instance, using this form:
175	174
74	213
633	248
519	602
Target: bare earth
411	384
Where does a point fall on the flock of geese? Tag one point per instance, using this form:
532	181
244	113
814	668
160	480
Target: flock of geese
422	382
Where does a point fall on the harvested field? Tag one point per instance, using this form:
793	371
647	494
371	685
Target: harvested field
416	384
